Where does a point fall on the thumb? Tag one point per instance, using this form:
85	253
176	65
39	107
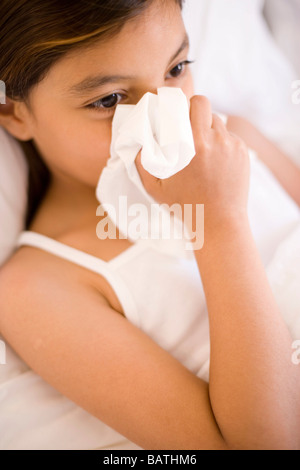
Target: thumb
138	164
149	181
144	175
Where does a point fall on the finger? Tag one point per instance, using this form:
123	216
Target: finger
149	181
201	115
218	125
240	141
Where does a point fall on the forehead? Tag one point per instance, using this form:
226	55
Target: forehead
144	42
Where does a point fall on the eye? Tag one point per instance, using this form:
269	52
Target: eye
179	69
107	103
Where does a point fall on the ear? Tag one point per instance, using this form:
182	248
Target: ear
15	118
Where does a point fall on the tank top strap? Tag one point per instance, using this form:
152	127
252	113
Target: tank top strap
106	269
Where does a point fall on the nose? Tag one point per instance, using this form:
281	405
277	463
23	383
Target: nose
146	89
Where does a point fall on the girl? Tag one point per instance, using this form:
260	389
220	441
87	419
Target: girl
66	66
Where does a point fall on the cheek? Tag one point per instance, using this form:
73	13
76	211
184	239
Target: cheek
92	147
91	150
79	150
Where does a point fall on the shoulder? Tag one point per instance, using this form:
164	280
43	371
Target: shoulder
30	265
17	274
33	277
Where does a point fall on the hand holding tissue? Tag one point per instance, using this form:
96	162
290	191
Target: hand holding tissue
159	126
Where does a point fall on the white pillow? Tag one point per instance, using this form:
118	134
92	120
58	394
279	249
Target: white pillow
283	16
13	193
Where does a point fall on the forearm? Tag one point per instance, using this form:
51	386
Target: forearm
282	167
253	383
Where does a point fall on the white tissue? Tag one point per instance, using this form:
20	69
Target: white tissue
160	126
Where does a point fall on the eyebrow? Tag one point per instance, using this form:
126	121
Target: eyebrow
91	83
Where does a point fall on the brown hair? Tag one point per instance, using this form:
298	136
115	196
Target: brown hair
34	34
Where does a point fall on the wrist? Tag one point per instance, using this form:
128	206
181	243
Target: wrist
222	228
222	220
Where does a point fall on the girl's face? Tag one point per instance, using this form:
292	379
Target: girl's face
72	108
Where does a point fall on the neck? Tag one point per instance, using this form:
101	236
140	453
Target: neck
69	205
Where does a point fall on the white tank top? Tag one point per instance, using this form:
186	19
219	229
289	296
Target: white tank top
161	294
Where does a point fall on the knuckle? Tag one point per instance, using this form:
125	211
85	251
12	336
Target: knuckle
203	147
243	148
239	141
221	138
158	183
238	144
153	184
218	120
